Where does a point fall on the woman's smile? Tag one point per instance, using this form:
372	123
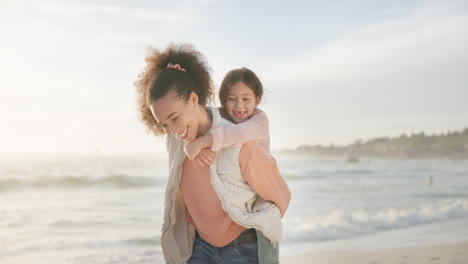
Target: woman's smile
184	135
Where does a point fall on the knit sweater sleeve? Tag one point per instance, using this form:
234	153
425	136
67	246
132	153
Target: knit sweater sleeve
261	172
254	128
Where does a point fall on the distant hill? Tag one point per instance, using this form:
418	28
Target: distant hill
452	145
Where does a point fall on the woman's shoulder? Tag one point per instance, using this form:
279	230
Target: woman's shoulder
172	143
253	148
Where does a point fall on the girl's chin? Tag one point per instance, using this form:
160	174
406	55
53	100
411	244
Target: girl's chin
238	120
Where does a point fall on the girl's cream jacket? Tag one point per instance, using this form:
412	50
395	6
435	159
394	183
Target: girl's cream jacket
242	204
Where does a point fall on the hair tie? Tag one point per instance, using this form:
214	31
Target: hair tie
175	66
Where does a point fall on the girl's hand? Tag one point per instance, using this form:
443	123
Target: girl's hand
192	149
206	157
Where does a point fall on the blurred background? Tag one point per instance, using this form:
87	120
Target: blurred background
367	102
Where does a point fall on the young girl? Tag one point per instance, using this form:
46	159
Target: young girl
240	93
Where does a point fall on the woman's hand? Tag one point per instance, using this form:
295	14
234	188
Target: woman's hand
206	157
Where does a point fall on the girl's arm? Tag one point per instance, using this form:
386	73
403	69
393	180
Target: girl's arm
254	128
193	148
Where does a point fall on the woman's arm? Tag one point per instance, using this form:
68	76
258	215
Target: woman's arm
261	172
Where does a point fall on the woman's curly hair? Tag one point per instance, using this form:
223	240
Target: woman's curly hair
156	80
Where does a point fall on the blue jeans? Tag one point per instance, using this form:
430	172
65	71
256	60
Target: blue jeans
205	253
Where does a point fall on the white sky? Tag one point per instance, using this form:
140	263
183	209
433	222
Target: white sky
334	72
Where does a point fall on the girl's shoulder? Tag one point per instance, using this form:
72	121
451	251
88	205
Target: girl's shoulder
260	114
259	111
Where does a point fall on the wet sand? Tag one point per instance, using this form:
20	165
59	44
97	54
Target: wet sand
456	253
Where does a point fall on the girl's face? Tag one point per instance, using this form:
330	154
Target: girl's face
241	102
177	116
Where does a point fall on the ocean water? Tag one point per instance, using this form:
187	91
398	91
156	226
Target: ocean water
102	208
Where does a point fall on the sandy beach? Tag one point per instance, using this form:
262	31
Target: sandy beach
454	253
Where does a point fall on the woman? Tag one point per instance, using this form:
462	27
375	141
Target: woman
223	213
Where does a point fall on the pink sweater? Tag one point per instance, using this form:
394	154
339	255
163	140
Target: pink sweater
204	209
254	128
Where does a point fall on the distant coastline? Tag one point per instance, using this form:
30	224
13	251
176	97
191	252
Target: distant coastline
452	145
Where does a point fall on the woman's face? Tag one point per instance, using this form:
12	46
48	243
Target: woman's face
241	102
177	116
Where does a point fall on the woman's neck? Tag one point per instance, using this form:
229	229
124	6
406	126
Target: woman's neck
205	121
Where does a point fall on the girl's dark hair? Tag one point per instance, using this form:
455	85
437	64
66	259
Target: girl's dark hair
156	80
244	75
